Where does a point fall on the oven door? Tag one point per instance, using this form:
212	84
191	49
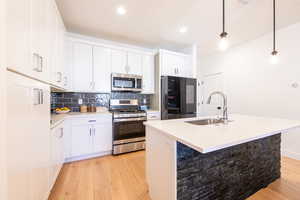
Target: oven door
128	130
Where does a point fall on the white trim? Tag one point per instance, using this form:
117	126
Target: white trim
88	156
290	154
162	51
74	37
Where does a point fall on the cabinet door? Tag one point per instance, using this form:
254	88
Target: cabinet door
18	36
52	22
19	139
180	66
28	176
184	67
148	74
68	61
39	39
83	67
67	139
134	63
169	64
102	69
61	69
40	155
57	135
102	140
119	61
81	140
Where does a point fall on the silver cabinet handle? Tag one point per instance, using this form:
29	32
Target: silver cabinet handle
41	63
59	77
94	131
90	132
41	96
92	85
36	97
90	121
131	119
37	62
66	81
61	132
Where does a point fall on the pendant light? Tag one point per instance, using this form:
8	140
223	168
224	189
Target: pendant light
223	45
274	54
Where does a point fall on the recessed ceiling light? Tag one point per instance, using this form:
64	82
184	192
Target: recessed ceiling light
121	10
183	29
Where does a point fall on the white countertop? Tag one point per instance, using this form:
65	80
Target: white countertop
210	138
58	118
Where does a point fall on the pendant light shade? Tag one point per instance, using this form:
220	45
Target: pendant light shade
274	54
223	45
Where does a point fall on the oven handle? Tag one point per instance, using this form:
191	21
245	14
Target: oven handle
131	119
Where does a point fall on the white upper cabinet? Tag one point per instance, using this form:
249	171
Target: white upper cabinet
82	67
119	61
169	66
18	36
57	49
175	64
148	74
126	62
91	68
31	32
91	65
102	69
134	63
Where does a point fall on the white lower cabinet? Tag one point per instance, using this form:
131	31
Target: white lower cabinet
102	138
90	137
57	152
81	140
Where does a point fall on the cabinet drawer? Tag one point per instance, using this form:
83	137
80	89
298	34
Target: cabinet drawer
153	116
92	120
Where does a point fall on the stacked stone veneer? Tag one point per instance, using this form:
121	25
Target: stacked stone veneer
234	173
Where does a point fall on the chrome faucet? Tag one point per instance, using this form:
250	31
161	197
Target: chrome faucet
225	111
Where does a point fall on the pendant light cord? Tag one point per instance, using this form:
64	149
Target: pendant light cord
223	16
274	26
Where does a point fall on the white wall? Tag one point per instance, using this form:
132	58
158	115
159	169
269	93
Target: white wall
2	102
256	87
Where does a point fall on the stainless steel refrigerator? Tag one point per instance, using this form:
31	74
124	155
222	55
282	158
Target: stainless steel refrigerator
178	97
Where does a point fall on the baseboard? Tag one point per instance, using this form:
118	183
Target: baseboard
290	154
88	156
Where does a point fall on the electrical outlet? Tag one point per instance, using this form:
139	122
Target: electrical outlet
80	101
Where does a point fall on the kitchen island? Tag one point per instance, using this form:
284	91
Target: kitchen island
230	161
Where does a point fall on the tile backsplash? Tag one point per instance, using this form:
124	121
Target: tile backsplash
70	99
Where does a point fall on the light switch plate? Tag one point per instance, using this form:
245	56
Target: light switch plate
80	101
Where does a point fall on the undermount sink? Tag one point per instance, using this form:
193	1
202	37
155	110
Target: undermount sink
203	122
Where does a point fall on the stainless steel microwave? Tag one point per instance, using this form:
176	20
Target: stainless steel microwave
126	82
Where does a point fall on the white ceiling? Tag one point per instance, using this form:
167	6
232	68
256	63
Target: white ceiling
155	23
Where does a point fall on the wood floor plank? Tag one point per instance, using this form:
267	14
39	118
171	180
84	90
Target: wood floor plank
123	178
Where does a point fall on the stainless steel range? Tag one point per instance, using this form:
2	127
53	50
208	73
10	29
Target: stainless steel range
128	127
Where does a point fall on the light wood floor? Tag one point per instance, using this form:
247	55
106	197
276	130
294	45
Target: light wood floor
123	178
